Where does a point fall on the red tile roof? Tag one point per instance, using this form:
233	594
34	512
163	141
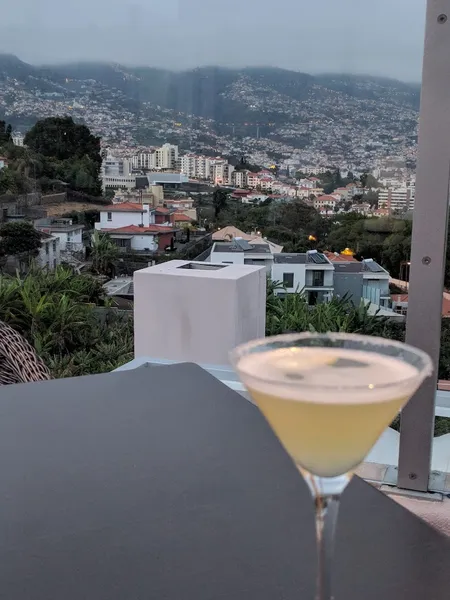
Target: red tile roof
182	217
161	210
124	207
332	257
136	230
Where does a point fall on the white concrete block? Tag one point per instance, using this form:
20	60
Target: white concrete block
197	311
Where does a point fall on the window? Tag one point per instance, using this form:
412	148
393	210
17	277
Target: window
318	278
288	280
54	246
109	216
46	249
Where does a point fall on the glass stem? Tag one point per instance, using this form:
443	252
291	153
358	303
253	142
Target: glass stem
326	492
326	509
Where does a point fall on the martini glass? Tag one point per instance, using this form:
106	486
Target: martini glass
328	398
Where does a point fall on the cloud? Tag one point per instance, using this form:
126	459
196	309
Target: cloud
360	36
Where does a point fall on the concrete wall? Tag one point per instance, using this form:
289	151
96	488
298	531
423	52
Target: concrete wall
75	238
299	271
197	314
50	253
142	242
237	258
123	219
350	284
381	283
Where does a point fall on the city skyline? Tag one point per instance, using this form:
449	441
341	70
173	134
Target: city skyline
342	37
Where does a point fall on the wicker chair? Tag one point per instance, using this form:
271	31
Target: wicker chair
18	360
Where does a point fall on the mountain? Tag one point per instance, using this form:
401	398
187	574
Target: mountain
287	107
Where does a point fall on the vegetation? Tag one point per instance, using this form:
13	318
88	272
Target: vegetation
60	314
59	154
291	224
104	252
19	239
56	312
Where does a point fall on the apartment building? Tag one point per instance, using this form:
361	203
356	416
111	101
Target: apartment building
144	161
165	157
221	172
399	199
239	178
195	166
117	173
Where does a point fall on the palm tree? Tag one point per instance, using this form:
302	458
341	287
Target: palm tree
104	252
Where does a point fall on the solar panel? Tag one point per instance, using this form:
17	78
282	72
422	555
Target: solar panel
373	266
317	258
243	244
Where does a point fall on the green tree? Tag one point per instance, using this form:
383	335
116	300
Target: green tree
104	253
220	198
62	138
19	239
70	153
5	133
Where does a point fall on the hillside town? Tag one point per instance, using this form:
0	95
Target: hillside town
391	190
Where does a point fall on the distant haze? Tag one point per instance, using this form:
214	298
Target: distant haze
377	37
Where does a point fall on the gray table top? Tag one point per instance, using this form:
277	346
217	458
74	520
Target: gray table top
164	483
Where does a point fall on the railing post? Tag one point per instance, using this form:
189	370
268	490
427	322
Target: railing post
429	240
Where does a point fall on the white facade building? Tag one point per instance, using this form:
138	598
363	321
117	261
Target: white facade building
166	157
195	166
18	139
399	199
124	214
240	252
311	273
239	178
50	254
132	227
117	173
221	172
144	161
70	235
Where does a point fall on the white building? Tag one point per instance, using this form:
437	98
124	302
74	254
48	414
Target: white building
49	255
240	252
195	166
18	139
325	202
133	227
314	170
70	235
309	272
144	161
117	173
221	172
167	157
239	178
399	199
125	213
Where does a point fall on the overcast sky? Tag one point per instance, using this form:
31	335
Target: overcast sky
381	37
